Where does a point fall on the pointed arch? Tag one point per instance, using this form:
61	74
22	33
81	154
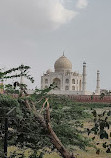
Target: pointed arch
57	81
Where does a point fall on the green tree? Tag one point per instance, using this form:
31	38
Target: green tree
40	120
101	127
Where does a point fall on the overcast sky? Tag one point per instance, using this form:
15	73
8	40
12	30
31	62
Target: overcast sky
36	32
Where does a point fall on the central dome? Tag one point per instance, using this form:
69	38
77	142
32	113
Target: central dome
62	64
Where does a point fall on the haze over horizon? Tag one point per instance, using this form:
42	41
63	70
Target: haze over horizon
36	32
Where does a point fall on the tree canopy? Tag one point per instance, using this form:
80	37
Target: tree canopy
40	120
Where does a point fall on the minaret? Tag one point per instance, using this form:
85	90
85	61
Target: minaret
84	78
98	83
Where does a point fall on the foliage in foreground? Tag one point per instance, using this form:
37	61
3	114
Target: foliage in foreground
28	125
26	130
101	128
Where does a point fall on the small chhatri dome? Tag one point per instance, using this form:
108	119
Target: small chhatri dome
63	63
84	63
48	71
98	71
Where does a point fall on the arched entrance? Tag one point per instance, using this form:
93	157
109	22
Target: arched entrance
57	81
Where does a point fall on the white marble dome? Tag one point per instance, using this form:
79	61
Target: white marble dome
63	63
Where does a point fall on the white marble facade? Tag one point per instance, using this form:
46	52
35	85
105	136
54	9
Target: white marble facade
67	81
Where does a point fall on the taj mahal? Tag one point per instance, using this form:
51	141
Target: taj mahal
68	82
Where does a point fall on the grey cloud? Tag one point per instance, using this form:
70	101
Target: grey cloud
35	14
82	4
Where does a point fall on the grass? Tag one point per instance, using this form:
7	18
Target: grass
93	105
88	123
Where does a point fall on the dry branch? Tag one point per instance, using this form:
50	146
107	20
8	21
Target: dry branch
46	124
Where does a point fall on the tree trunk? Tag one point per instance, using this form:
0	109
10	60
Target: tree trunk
54	139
